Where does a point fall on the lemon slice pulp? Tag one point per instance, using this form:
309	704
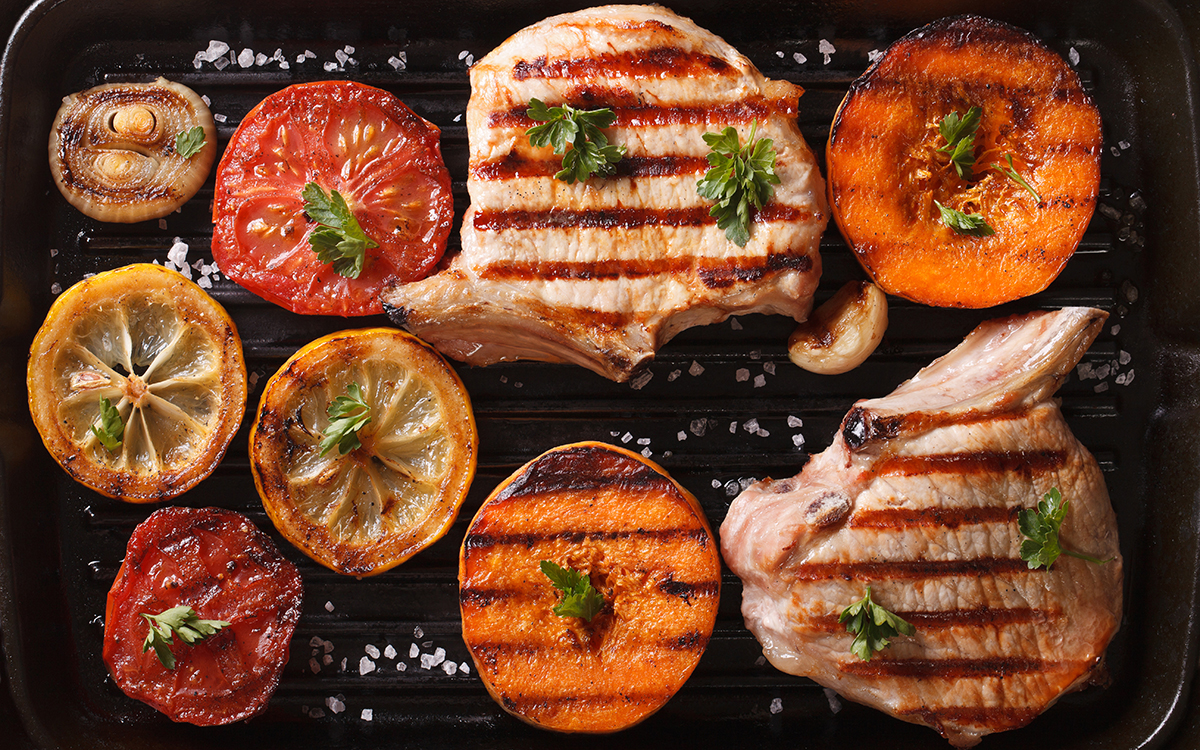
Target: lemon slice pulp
164	355
362	510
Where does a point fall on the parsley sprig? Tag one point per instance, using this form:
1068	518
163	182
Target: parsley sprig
563	126
111	430
347	415
338	239
579	599
1011	173
182	621
872	626
959	133
973	225
738	177
1041	527
189	142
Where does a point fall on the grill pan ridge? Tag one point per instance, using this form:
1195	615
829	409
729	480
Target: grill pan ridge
60	544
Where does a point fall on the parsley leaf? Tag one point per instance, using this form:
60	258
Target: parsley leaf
339	239
347	415
959	133
182	621
1011	173
738	177
112	430
189	142
579	598
872	626
590	152
973	225
1041	526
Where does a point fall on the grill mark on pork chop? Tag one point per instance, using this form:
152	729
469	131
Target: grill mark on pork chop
715	272
514	166
910	569
637	116
1026	463
951	518
489	220
953	669
975	617
862	426
652	62
576	536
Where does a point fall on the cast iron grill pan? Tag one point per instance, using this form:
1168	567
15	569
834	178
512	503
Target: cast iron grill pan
65	542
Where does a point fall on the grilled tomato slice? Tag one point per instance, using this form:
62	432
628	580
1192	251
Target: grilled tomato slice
363	449
904	141
223	567
640	540
359	141
168	361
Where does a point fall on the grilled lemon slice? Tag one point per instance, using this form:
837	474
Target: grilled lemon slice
164	355
369	501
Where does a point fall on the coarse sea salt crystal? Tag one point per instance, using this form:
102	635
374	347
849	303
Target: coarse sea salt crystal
219	117
776	705
204	282
643	441
341	56
401	666
742	375
349	50
390	651
330	67
674	375
732	488
328	606
716	483
261	59
1101	388
732	427
463	54
794	421
372	651
640	381
779	53
396	62
695	369
283	65
315	641
335	704
310	54
799	58
418	633
698	427
414	651
246	58
299	58
342	666
365	665
647	453
464	668
368	714
627	437
751	425
317	713
449	667
874	55
798	440
327	660
681	436
1073	56
314	665
221	63
162	224
826	49
735	324
1124	357
760	381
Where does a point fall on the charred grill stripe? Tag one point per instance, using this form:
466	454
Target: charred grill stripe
653	62
980	88
1025	463
910	569
951	669
515	166
625	218
692	640
951	618
632	115
713	272
474	541
951	518
862	426
993	717
530	702
469	596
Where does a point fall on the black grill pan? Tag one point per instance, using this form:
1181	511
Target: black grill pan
60	544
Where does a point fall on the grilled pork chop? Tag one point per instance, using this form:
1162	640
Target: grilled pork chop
918	496
601	273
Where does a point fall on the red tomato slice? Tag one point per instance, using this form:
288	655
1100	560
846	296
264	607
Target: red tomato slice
221	565
358	140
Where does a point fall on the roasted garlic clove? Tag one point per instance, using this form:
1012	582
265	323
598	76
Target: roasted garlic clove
113	149
843	332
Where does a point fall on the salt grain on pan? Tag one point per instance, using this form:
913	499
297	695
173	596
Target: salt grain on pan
751	425
310	54
716	483
221	63
413	651
647	453
53	251
760	381
458	117
341	56
674	375
798	440
640	381
835	703
464	668
732	488
698	427
742	375
449	667
874	55
349	50
643	441
368	714
1073	56
463	54
390	652
760	661
1114	331
735	324
317	713
799	58
1124	357
314	665
681	436
204	282
246	58
299	58
327	660
372	651
396	62
826	49
261	59
330	67
732	428
335	704
779	53
162	224
1124	145
627	437
328	606
219	117
1101	388
695	369
401	667
343	664
769	368
615	433
794	421
365	665
776	705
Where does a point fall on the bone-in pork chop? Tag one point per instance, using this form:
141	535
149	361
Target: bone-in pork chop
918	497
601	273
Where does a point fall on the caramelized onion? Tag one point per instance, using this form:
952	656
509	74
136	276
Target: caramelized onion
112	149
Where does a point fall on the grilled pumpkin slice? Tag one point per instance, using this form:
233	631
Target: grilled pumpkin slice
889	165
644	544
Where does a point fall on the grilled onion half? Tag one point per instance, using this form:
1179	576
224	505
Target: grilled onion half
113	149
